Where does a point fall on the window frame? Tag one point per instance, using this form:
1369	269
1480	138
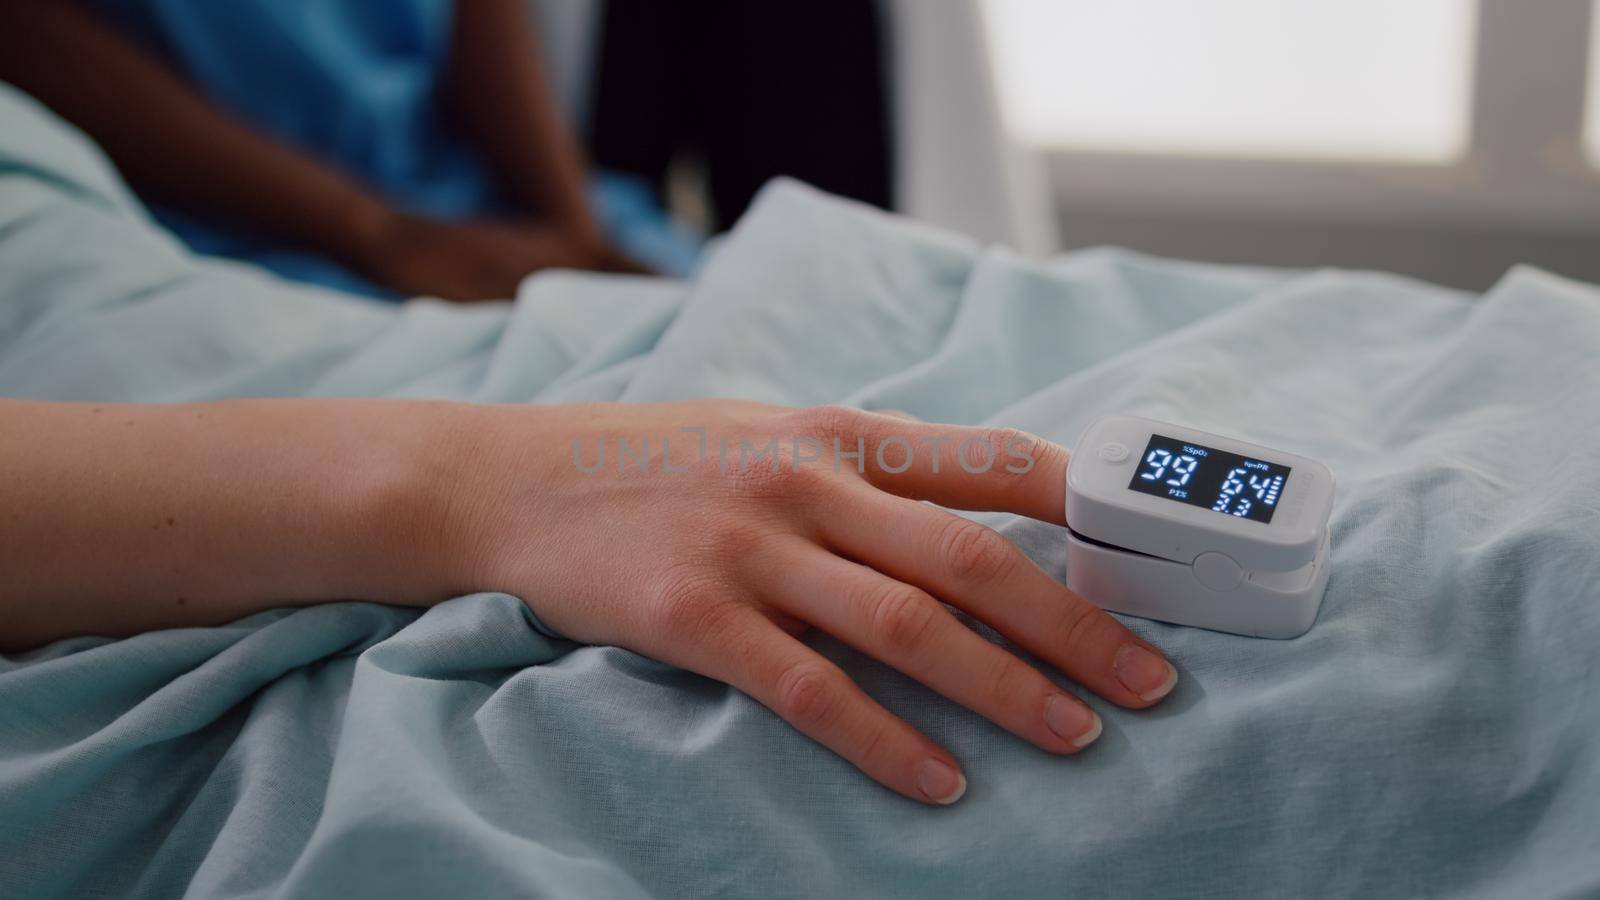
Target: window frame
1525	166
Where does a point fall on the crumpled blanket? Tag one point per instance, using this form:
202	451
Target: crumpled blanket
1435	733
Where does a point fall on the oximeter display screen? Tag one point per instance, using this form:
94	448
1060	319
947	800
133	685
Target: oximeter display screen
1220	481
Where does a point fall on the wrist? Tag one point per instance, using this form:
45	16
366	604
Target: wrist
364	227
579	226
414	518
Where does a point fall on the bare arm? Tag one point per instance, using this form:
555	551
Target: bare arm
499	94
174	145
117	518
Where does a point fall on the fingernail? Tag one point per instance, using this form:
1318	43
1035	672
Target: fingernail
1144	673
940	782
1072	721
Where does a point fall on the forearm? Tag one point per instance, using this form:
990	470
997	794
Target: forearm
174	145
499	94
118	518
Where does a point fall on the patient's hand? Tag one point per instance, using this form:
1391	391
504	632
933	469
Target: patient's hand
127	517
719	567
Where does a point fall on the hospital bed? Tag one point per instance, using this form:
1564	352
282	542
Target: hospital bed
1435	732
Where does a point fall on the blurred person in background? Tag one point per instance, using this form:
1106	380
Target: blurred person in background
389	148
403	147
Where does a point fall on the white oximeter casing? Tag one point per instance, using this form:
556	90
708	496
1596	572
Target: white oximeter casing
1184	526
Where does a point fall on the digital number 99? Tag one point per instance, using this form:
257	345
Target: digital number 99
1159	462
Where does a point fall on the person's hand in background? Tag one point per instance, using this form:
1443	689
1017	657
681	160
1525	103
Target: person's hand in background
714	566
474	260
497	93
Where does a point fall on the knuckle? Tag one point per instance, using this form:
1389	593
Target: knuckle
808	695
779	478
900	617
1043	454
1011	683
757	480
998	449
805	482
832	420
1015	448
878	750
686	602
1076	624
732	547
974	552
1004	438
985	453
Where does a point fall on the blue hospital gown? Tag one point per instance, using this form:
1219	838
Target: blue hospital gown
356	84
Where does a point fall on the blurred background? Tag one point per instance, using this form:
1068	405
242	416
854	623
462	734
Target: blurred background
474	141
1448	139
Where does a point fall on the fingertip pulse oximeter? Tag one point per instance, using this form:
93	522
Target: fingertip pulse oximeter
1179	525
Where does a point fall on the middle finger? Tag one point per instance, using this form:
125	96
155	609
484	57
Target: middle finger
975	568
908	629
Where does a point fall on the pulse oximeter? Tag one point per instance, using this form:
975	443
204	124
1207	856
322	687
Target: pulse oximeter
1175	524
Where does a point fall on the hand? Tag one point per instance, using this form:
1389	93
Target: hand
720	571
466	261
717	565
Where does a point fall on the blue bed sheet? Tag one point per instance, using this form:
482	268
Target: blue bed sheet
1435	733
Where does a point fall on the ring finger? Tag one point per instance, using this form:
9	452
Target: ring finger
907	628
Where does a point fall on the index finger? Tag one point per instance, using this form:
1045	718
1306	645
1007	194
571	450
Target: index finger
965	467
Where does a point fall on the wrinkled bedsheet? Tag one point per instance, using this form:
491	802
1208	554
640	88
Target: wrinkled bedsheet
1436	732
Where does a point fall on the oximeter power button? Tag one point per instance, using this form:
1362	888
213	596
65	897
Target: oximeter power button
1113	452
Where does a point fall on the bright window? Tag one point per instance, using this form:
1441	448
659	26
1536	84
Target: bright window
1357	79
